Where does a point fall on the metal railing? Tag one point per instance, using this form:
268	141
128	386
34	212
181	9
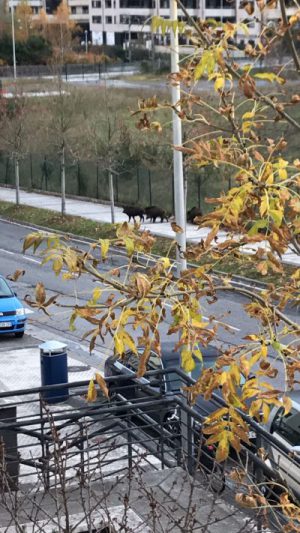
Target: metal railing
69	71
139	427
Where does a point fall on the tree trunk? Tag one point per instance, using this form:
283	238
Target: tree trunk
63	181
17	180
111	197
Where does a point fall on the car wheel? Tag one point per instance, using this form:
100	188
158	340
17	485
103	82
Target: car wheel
19	335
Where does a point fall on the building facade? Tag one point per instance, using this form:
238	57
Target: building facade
128	22
125	22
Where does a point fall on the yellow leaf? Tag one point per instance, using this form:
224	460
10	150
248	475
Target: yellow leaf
222	449
187	361
277	215
119	345
102	384
92	393
128	341
219	84
165	262
129	244
217	415
287	403
96	295
264	351
249	114
264	205
104	243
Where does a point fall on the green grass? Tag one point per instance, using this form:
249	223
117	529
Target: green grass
95	230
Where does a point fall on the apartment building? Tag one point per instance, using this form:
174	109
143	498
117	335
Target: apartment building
125	22
128	22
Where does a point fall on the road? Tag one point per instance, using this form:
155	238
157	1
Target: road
228	308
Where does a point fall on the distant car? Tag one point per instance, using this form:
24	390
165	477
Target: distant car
286	428
12	312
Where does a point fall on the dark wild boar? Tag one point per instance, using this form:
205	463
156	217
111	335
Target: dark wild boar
193	213
153	212
133	212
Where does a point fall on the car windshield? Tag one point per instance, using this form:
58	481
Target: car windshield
5	291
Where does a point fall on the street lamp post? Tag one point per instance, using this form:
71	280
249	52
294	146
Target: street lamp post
86	40
129	39
13	39
179	196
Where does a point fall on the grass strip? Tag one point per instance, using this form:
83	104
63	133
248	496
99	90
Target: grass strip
91	229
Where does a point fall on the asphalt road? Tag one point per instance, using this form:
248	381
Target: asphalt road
228	308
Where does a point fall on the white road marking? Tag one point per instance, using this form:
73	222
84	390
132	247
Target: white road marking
31	259
7	251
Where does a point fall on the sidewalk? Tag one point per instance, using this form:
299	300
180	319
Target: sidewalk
102	213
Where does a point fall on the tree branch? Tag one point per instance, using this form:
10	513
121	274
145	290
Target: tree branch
235	74
289	36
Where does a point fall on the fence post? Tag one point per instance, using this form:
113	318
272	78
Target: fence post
150	190
31	173
78	178
46	172
6	170
66	71
138	184
82	70
99	70
97	180
117	187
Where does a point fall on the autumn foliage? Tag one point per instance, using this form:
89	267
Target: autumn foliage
260	216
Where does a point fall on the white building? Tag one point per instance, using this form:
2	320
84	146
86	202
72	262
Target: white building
128	21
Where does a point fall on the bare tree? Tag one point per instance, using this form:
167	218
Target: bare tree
13	122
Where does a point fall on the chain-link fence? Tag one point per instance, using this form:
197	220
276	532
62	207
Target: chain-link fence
137	186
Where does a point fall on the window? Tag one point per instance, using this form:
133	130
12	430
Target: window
4	289
287	426
108	3
73	10
124	19
96	3
85	9
108	20
97	20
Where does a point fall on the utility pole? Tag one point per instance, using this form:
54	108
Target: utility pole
179	196
13	38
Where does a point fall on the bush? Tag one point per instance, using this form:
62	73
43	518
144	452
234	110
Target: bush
35	51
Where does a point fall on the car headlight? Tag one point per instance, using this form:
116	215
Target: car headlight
20	311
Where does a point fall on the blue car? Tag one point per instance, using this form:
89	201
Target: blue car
12	312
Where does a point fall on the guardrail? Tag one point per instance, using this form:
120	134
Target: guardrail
140	427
